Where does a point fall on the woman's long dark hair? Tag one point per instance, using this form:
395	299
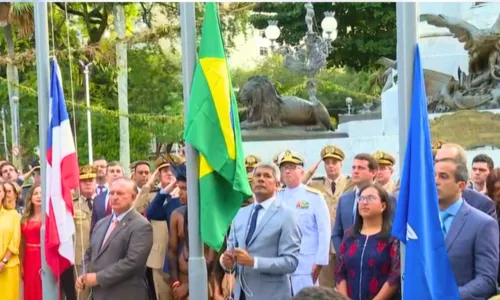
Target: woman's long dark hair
387	214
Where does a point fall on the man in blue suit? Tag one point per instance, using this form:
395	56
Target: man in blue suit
471	236
472	197
264	242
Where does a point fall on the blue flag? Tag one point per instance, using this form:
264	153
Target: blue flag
427	273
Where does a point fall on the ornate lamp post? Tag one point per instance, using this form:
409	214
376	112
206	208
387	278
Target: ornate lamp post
272	32
348	102
309	58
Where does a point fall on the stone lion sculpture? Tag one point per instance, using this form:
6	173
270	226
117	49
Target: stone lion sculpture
267	108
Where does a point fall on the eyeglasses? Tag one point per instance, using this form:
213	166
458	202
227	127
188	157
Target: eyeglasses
369	198
290	167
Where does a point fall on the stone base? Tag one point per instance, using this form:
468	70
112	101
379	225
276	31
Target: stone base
288	133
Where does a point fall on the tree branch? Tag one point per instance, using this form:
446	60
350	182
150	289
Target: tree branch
70	10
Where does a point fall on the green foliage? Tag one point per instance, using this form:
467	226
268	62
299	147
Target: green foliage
333	85
366	31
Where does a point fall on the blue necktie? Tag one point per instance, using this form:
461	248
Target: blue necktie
253	222
445	218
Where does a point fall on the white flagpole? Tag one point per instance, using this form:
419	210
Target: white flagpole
197	264
407	38
49	284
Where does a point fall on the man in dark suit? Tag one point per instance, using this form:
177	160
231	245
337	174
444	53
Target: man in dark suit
119	249
471	236
472	197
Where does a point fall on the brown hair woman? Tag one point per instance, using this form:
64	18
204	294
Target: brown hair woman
31	223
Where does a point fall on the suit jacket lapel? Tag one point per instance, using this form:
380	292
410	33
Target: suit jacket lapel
241	238
457	225
267	216
124	222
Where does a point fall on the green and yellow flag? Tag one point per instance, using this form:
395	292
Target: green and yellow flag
213	128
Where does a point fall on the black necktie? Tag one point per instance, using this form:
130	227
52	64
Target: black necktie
253	223
89	203
333	186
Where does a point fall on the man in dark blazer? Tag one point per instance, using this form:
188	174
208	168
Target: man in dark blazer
472	197
119	248
471	236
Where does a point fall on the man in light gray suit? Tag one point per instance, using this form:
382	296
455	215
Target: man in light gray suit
119	249
471	236
264	242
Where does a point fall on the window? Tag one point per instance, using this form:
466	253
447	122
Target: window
263	51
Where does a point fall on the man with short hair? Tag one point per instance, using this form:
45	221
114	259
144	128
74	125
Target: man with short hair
314	220
114	171
471	236
142	171
364	170
119	248
264	242
473	198
101	166
319	293
482	165
102	207
9	173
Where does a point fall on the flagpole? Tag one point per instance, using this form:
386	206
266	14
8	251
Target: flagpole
197	264
407	30
49	284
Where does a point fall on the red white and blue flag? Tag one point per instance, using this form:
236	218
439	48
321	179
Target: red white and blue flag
62	178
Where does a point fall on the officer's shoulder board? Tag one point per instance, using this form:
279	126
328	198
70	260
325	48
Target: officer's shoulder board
321	178
155	190
313	190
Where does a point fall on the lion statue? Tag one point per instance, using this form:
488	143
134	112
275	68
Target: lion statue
267	108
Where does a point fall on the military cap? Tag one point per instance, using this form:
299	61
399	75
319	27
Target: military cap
165	160
384	158
88	172
331	151
251	161
275	158
436	145
291	157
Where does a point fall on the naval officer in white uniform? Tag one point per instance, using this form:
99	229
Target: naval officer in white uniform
314	221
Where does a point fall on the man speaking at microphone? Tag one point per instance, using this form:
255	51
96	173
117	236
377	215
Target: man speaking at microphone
264	242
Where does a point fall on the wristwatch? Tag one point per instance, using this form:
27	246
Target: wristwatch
5	260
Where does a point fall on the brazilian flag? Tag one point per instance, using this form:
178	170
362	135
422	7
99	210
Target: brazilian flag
213	128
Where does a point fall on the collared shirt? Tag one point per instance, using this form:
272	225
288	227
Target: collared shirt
265	206
447	216
120	217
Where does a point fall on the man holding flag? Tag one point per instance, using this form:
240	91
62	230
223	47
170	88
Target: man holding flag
62	178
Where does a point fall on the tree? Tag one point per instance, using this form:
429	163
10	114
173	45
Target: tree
366	31
19	14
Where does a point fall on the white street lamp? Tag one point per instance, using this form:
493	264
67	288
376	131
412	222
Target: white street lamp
348	102
329	25
272	32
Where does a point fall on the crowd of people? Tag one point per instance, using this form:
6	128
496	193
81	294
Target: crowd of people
300	236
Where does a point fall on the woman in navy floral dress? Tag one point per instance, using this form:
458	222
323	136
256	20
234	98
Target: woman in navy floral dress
369	261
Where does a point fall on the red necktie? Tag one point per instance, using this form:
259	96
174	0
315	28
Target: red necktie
108	209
